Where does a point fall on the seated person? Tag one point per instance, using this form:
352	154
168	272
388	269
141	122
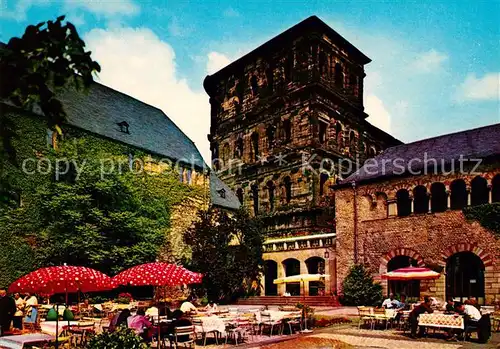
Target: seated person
211	307
187	306
120	319
140	324
424	307
403	305
390	302
449	306
180	320
470	312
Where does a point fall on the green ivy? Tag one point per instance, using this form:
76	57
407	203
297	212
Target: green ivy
488	215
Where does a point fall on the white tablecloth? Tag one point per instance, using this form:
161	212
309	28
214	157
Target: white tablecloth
277	315
18	342
50	326
211	323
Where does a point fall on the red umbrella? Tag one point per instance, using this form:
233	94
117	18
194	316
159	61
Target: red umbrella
411	273
62	279
157	274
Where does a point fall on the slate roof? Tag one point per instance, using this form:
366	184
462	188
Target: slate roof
221	195
100	109
479	143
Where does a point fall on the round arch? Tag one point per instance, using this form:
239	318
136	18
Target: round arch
270	274
408	252
466	247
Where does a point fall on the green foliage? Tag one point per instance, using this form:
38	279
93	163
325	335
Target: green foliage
119	339
359	289
109	221
49	56
488	215
227	249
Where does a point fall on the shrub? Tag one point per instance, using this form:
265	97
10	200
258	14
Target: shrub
359	289
124	298
119	339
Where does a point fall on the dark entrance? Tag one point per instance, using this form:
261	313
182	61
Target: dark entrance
316	265
465	276
271	273
410	288
292	267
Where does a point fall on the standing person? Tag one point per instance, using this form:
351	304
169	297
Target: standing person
7	311
18	316
424	307
31	308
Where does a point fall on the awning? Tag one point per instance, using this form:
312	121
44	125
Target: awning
301	278
411	273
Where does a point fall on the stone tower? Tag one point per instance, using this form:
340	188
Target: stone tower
286	120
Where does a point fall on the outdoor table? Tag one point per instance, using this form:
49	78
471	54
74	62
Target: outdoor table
212	323
277	315
441	321
20	341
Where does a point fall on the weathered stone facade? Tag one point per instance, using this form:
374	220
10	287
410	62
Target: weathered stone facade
374	227
283	118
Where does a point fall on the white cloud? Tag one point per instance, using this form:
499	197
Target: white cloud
480	89
429	61
106	8
137	62
379	115
216	61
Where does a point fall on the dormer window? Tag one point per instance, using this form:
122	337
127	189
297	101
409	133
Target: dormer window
123	127
222	193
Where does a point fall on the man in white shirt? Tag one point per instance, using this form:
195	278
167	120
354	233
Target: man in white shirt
390	302
471	312
188	307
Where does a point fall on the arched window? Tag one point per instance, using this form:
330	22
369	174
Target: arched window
215	156
287	129
255	197
255	146
420	200
479	191
270	189
289	64
287	182
323	65
339	76
495	189
225	154
323	178
322	131
372	152
254	84
439	200
239	194
238	148
339	135
353	82
458	198
270	132
403	203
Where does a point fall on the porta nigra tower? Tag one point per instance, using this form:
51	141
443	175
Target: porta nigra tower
285	118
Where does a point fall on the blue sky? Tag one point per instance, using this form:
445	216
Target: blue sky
435	69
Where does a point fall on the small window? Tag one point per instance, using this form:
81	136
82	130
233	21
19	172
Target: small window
339	76
322	131
124	127
254	84
181	175
239	194
189	175
287	128
287	182
271	129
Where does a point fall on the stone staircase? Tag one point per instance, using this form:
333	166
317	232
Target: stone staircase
319	301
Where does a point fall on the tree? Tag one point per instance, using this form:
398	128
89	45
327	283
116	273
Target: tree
49	56
108	222
227	249
359	288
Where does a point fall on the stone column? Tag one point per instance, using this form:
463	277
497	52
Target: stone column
468	197
448	197
305	285
411	205
392	208
490	194
262	284
429	197
328	272
281	274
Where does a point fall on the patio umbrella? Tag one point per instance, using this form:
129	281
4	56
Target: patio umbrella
411	273
157	274
62	279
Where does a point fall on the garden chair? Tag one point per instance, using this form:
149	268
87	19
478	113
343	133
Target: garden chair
198	325
366	315
381	315
267	321
184	336
243	327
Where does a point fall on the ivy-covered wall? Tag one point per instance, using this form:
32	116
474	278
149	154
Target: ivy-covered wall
487	215
22	180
